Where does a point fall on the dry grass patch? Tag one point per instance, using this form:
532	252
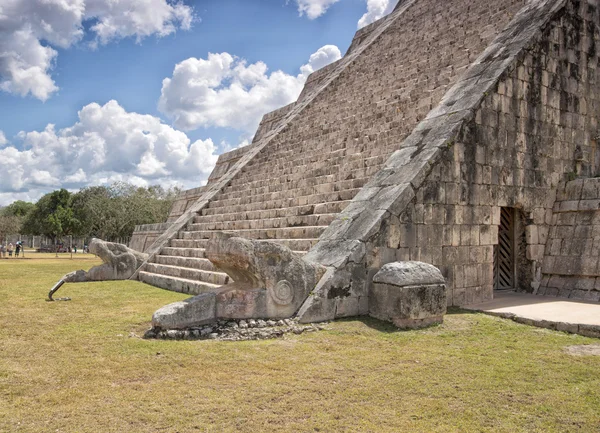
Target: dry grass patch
80	366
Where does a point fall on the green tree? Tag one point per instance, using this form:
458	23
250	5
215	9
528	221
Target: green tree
13	216
52	216
9	225
92	208
112	212
107	212
18	208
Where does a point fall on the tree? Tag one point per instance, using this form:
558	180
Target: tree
52	216
112	212
107	212
18	208
9	225
13	216
92	208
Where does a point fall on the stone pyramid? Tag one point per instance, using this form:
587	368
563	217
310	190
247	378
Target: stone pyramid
443	121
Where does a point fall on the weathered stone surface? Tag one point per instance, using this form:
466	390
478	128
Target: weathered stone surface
195	311
235	330
120	262
411	295
270	280
409	274
498	117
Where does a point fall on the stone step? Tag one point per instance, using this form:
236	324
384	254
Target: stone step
287	189
218	278
183	252
213	214
182	285
319	151
241	204
294	170
265	223
185	262
298	182
308	232
290	151
294	174
297	245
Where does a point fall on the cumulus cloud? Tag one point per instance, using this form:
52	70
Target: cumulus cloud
314	8
31	29
376	9
226	91
3	139
105	145
123	18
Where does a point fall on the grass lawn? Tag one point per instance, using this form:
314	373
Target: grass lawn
80	366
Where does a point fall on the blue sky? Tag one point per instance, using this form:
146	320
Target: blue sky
99	91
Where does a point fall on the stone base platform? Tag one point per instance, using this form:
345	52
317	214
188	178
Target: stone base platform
575	317
237	330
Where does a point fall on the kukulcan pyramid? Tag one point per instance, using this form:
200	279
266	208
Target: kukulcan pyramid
458	133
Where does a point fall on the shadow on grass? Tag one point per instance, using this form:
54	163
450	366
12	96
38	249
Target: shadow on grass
458	310
390	328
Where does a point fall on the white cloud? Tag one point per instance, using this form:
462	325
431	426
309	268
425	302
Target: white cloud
29	29
314	8
225	91
376	9
106	144
123	18
3	139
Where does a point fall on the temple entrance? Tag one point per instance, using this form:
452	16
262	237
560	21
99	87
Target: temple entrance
505	263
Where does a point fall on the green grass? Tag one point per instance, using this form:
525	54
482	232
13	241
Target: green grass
80	366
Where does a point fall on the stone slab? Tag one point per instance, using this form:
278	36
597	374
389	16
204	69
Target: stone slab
547	312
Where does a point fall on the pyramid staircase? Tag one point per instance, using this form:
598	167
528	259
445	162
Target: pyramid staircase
294	188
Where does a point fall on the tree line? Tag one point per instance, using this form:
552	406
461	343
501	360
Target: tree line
106	212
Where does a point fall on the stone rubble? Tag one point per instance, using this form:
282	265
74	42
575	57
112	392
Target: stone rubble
237	330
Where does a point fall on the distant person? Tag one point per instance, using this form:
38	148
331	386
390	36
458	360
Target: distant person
10	249
75	249
17	249
2	251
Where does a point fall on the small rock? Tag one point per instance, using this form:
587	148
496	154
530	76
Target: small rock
232	325
271	323
261	323
243	324
213	336
150	333
252	323
173	334
280	323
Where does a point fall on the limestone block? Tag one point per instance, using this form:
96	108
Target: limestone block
270	280
195	311
411	295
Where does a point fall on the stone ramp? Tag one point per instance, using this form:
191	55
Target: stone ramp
320	154
576	317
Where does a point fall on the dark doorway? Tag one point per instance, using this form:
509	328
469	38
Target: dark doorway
505	265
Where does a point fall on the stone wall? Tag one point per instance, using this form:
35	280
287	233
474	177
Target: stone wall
532	131
144	235
571	268
519	121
